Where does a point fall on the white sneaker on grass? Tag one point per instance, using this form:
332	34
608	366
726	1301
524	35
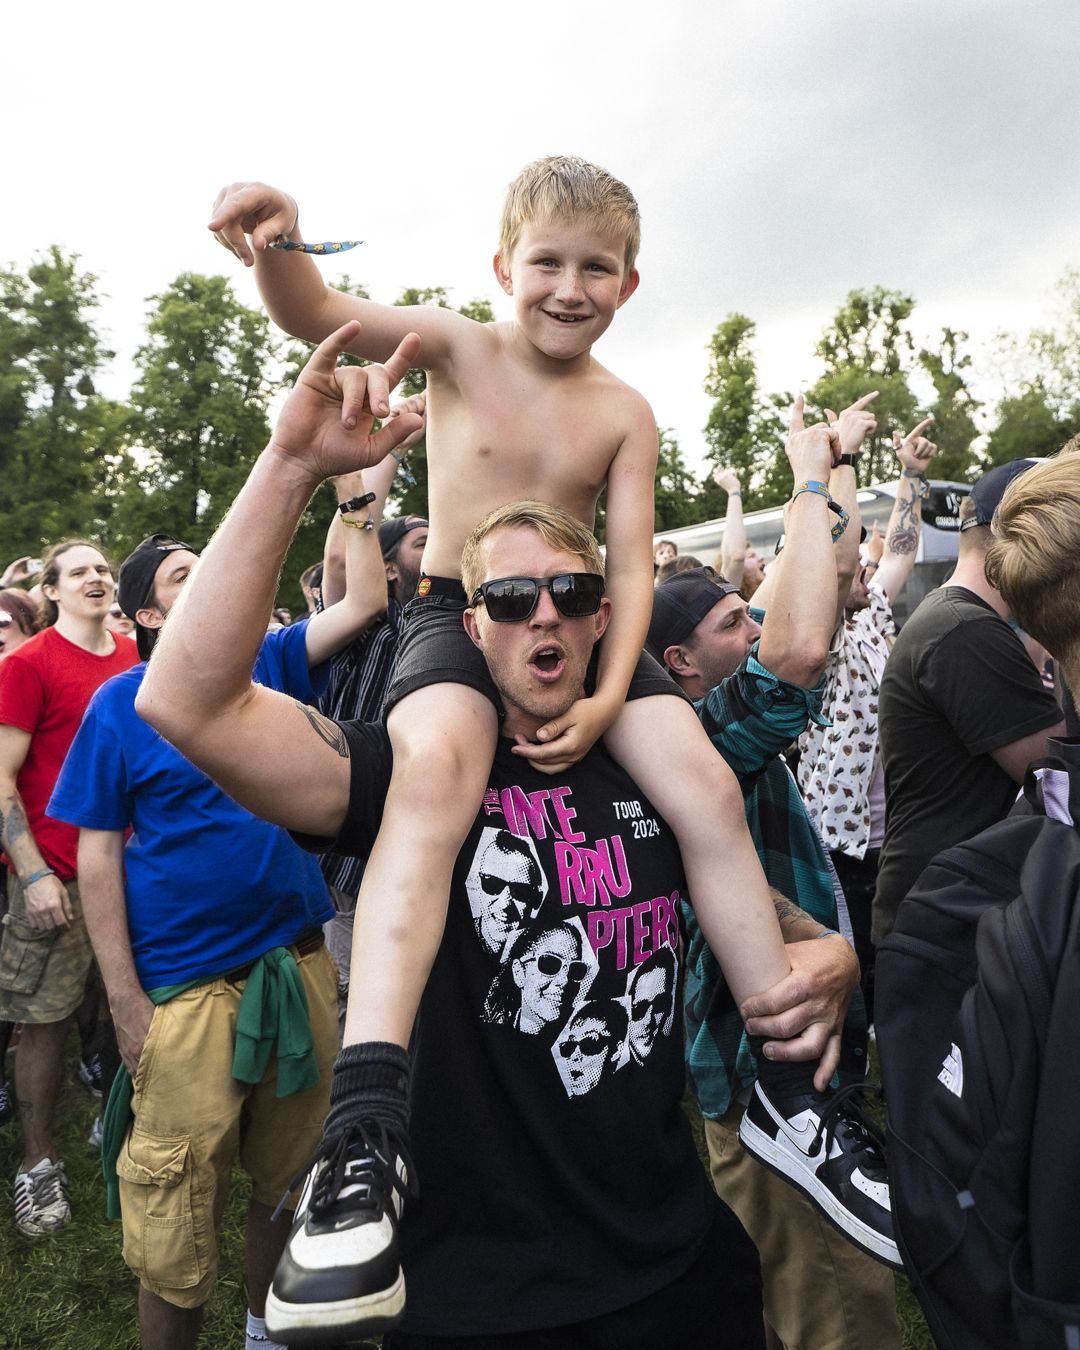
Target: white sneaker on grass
41	1203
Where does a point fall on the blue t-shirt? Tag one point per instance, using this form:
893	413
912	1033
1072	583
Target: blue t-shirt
209	886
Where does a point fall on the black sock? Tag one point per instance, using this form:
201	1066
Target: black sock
371	1082
783	1079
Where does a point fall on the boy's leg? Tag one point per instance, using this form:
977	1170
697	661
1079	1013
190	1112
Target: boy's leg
340	1271
692	787
822	1147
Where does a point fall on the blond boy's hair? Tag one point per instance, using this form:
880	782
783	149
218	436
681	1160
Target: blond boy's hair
1034	554
556	527
564	187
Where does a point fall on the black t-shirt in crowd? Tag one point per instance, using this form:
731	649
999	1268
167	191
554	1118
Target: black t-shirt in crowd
558	1176
958	685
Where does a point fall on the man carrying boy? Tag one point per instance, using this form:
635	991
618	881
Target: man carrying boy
543	1207
500	398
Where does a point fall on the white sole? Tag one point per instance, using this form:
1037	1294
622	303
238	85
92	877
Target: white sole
302	1323
778	1160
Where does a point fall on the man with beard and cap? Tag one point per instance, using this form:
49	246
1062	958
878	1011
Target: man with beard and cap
218	915
963	711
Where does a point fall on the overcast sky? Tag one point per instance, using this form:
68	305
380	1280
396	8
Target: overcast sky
782	152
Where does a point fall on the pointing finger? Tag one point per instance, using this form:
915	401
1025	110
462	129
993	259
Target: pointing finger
830	416
797	414
402	360
918	431
861	403
897	440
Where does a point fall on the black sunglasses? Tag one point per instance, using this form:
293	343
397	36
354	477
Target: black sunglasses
513	599
521	892
643	1006
588	1045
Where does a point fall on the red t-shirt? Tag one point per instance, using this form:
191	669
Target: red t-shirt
45	686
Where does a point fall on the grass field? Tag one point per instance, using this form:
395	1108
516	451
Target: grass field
73	1291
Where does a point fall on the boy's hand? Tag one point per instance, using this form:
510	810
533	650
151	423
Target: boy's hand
854	424
326	424
254	209
810	450
875	544
914	451
561	743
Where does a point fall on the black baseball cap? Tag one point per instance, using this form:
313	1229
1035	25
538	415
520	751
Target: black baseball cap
391	532
990	488
136	584
680	604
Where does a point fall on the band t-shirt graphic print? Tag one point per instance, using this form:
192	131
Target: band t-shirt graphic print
557	1171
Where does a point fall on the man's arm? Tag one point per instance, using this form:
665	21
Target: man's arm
902	533
802	582
47	903
1015	757
249	216
733	547
367	571
101	890
813	998
259	745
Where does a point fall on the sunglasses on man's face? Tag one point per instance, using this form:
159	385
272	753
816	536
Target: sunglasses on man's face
512	599
643	1006
521	892
588	1045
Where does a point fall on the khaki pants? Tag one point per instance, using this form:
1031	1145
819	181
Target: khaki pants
821	1291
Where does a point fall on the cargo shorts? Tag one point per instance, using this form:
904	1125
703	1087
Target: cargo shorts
42	971
192	1119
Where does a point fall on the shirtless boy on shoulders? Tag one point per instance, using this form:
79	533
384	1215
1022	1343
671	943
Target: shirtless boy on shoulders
501	398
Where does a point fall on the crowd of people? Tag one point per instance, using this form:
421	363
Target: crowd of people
426	906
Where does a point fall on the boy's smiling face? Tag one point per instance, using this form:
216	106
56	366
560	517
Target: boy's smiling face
567	280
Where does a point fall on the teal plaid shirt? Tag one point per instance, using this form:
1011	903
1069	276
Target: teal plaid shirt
751	717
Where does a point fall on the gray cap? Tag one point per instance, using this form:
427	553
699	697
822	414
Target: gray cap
990	488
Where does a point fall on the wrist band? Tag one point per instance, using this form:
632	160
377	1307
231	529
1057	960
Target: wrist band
829	932
734	492
822	490
36	876
356	503
849	460
916	476
327	246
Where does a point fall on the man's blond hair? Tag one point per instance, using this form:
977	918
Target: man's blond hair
1034	555
556	527
566	188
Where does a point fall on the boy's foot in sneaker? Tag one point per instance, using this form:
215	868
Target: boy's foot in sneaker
826	1148
90	1074
339	1277
7	1105
41	1203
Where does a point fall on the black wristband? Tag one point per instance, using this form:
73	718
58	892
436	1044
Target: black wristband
850	460
356	503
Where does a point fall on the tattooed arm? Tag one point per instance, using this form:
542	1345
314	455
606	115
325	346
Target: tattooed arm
282	761
902	533
795	924
47	903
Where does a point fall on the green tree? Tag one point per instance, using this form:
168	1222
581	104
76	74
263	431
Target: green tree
868	345
200	418
954	429
54	428
745	431
676	496
1040	409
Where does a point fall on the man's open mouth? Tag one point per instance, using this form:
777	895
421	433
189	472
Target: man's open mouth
547	662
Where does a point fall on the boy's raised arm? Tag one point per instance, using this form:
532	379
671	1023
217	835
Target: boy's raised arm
281	760
248	217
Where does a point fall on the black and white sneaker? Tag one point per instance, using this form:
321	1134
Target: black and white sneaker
90	1074
339	1277
825	1146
